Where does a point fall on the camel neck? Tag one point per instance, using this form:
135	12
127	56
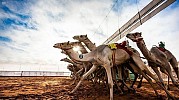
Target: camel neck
79	57
147	54
89	44
83	50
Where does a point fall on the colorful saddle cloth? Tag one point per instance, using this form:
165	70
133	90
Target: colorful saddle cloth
122	45
161	49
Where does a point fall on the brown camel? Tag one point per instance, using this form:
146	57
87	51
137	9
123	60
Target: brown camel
91	46
173	61
156	58
102	56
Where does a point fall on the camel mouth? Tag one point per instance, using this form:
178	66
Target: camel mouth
127	35
74	37
55	46
139	39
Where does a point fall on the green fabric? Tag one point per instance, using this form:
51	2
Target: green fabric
161	44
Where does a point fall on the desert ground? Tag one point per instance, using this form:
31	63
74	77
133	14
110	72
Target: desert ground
52	88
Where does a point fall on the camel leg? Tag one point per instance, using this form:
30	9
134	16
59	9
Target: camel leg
171	76
168	86
76	76
114	78
159	83
135	79
110	81
93	68
158	74
150	82
135	74
85	67
136	68
174	64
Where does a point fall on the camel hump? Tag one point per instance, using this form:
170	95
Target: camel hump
158	53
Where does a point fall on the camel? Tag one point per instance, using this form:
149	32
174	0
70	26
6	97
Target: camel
81	67
156	58
83	38
102	56
98	75
116	70
71	68
75	68
91	46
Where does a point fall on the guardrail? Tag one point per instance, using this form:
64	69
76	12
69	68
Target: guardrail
33	73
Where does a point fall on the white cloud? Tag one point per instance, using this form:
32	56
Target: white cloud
59	20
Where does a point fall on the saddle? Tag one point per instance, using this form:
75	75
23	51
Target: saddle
161	49
114	46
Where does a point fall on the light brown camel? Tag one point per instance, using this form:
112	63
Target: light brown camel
102	56
91	46
156	58
116	70
76	68
81	67
98	75
72	68
84	65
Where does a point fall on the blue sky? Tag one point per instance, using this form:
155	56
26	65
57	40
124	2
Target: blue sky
29	28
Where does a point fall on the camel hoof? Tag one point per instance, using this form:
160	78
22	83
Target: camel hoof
168	88
121	93
160	97
132	90
71	92
139	86
170	98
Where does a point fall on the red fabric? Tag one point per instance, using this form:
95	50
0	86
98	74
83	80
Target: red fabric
122	46
162	49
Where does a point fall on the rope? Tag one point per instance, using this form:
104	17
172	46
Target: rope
138	13
106	16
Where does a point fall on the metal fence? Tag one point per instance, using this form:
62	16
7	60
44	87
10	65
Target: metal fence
33	73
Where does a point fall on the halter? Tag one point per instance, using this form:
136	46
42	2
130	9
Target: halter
138	39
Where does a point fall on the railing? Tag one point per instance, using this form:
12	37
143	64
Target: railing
33	73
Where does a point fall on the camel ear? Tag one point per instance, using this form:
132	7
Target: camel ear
86	35
140	33
68	42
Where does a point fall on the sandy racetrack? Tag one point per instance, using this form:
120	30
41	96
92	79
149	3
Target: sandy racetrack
59	88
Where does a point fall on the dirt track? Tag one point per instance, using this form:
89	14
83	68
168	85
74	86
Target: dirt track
59	88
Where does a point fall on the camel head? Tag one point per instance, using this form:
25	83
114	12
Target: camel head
135	37
70	67
75	43
76	46
80	37
63	46
64	59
